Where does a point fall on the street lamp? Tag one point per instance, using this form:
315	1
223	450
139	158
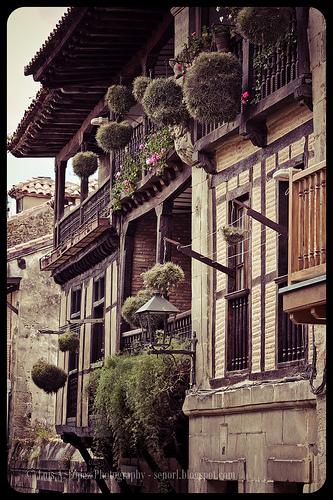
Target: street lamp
156	312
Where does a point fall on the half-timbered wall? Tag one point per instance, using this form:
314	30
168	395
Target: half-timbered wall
245	168
110	269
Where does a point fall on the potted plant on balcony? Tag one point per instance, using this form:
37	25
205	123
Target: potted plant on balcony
163	102
233	234
140	83
163	278
221	37
119	99
212	89
85	164
114	135
48	377
154	150
69	341
263	25
196	44
125	180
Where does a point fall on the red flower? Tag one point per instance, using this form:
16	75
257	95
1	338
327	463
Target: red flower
245	96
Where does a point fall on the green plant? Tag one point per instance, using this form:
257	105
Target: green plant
212	88
42	432
48	377
263	25
233	234
138	403
85	164
114	135
125	180
163	102
119	99
154	150
132	304
163	278
140	83
195	45
69	341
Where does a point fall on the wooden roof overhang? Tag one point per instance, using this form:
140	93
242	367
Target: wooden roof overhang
13	284
88	51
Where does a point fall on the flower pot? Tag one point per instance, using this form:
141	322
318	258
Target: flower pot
221	41
233	235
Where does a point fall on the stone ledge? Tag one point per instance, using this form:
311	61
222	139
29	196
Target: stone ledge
251	398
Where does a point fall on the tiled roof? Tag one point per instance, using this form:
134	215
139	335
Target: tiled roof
45	186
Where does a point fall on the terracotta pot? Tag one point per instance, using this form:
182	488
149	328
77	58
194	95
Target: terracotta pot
221	41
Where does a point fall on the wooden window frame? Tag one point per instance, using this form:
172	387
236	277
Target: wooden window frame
97	305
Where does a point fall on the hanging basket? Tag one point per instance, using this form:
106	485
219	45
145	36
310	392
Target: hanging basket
163	102
212	88
48	377
85	164
263	25
140	83
233	234
113	135
119	99
163	278
69	341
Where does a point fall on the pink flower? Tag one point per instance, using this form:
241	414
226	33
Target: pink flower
148	161
141	147
194	33
245	94
163	150
179	67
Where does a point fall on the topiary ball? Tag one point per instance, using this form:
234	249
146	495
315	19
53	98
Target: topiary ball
132	304
69	341
163	277
140	84
48	377
85	164
163	102
114	135
263	25
119	99
212	88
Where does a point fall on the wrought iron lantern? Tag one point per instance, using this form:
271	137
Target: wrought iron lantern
155	317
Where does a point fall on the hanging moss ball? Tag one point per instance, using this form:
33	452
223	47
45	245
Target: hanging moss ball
163	277
85	164
132	304
163	102
69	341
140	84
263	25
114	135
48	377
212	88
119	99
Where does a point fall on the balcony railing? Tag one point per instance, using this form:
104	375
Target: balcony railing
96	205
307	224
182	331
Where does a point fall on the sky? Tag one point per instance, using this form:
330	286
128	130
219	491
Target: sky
27	30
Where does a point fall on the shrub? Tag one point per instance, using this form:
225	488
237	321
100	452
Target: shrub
69	341
140	84
163	102
132	304
139	402
48	377
163	278
263	25
212	88
114	135
119	99
92	382
85	164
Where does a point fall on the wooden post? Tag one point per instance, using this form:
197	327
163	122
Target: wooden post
302	19
59	197
164	229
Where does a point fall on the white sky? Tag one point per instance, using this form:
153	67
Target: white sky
27	30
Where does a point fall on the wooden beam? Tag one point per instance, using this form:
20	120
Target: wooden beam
12	308
263	220
201	258
164	230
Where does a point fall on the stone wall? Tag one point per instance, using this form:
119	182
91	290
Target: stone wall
38	304
30	224
257	434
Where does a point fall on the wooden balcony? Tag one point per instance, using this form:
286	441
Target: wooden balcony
182	331
305	296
